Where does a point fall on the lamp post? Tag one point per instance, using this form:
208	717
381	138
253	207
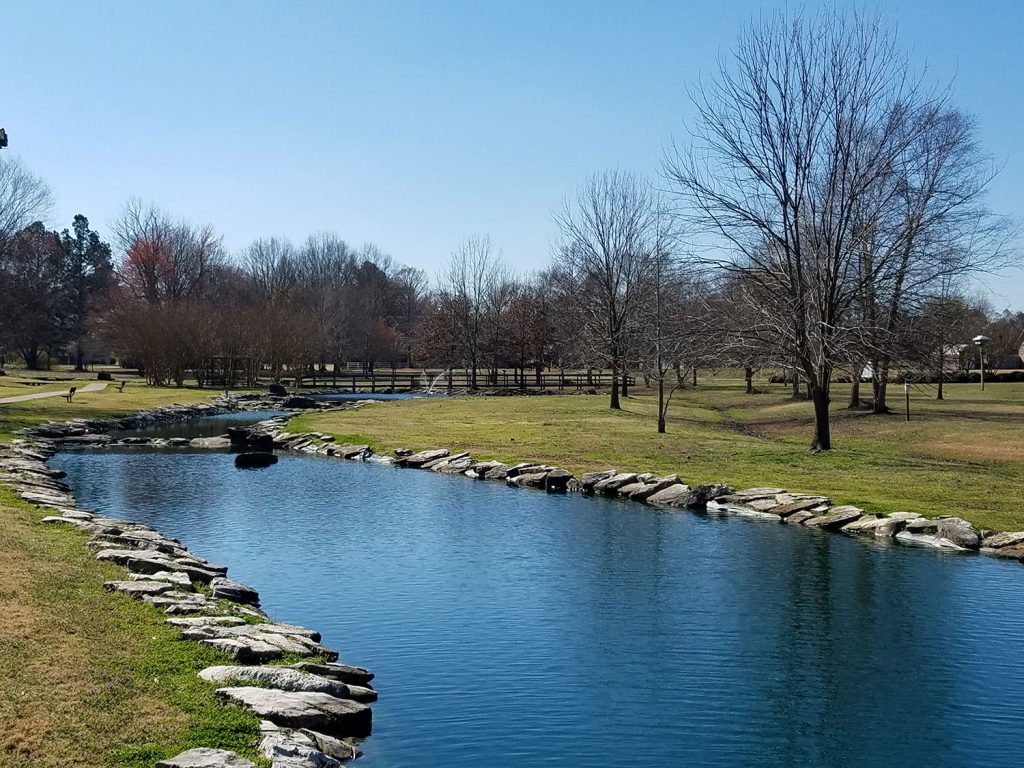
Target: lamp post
981	341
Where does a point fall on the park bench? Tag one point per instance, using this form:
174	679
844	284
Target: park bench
120	386
70	394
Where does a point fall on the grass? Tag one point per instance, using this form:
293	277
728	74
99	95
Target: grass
87	677
963	455
90	678
91	405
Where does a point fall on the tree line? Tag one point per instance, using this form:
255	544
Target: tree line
824	217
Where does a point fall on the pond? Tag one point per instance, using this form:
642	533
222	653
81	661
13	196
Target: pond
510	627
205	426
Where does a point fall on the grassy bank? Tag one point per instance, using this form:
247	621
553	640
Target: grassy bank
89	678
963	455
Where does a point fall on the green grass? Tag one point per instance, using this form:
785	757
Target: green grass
963	455
91	678
94	405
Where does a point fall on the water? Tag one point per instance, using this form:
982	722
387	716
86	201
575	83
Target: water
373	395
509	627
206	426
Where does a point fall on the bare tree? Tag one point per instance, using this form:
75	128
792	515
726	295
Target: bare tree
608	248
163	260
796	141
474	272
24	198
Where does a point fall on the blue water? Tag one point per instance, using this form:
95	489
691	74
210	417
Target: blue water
205	426
510	627
375	396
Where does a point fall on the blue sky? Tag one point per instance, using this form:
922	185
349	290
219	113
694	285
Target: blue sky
411	124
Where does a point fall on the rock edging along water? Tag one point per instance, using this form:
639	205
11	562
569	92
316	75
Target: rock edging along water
775	505
307	709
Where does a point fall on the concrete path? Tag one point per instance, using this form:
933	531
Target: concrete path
95	386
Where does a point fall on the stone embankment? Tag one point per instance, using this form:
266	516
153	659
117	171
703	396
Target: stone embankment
310	709
776	505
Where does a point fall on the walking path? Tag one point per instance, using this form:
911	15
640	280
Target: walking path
95	386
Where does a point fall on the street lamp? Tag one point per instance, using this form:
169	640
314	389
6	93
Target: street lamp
981	341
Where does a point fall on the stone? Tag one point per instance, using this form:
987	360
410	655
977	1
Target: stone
336	748
343	672
498	472
673	496
137	589
236	592
147	561
1012	552
836	517
927	540
199	621
299	402
293	749
798	518
590	479
258	643
557	480
683	496
612	484
921	525
180	580
873	525
1007	539
293	709
959	531
421	458
785	510
203	757
288	679
255	460
652	487
528	479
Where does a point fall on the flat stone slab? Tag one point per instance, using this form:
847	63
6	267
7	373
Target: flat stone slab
202	621
288	679
673	496
421	458
927	540
315	711
1006	539
139	588
256	643
959	531
203	757
226	589
613	483
344	672
837	517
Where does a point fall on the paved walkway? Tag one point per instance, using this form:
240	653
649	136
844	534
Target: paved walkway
95	386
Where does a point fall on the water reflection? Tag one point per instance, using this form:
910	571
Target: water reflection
513	627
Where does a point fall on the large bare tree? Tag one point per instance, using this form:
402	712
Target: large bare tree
24	198
791	166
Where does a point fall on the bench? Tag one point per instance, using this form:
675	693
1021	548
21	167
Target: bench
70	394
120	386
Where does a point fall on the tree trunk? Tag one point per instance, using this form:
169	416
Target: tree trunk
695	377
881	385
855	388
614	405
822	428
796	385
79	358
661	404
748	375
625	383
942	369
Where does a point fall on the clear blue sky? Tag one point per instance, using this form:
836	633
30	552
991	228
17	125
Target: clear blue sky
410	124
